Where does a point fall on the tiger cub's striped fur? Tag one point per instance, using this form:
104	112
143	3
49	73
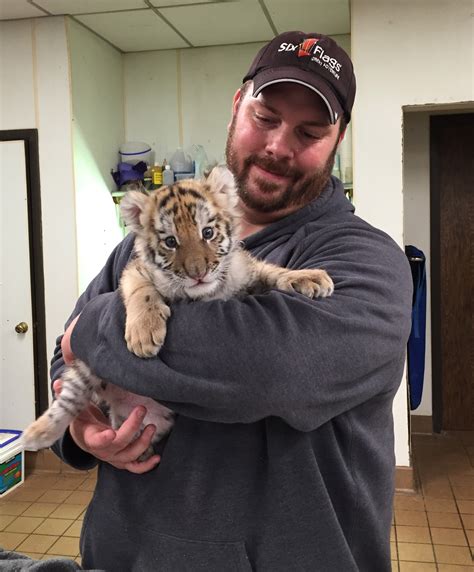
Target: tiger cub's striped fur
186	246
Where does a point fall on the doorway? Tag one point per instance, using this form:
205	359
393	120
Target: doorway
452	270
24	357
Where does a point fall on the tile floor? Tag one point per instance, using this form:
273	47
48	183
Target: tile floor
42	518
433	529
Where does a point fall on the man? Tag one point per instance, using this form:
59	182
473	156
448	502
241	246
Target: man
281	458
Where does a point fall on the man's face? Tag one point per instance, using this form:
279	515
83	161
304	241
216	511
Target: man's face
280	149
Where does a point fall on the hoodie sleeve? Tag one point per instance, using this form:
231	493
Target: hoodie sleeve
277	354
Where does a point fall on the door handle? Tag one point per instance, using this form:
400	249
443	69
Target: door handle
21	328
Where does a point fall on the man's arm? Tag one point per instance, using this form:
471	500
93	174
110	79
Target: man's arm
277	354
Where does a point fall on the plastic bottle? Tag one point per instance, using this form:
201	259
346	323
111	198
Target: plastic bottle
157	175
148	179
180	162
201	162
168	175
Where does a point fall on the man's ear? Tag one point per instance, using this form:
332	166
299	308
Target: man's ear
235	105
341	136
236	99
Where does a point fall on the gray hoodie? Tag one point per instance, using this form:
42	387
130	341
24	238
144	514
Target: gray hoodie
282	456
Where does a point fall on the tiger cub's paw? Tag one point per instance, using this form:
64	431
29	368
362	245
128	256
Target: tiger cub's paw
312	283
146	333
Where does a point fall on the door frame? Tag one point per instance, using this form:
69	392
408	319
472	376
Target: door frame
435	237
33	194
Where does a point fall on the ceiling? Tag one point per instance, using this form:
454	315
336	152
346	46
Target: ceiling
141	25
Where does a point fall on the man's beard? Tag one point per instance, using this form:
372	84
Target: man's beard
301	189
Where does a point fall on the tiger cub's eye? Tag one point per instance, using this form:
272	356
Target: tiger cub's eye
207	233
171	242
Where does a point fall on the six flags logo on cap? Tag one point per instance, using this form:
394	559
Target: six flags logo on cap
305	47
310	47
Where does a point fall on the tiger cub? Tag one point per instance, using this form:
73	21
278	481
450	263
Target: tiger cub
186	246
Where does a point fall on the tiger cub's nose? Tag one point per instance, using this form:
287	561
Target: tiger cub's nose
196	270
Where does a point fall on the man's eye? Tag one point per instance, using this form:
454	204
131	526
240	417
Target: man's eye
312	136
171	242
207	233
264	119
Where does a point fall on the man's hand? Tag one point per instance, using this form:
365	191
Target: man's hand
92	432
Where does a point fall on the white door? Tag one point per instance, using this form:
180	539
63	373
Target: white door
17	391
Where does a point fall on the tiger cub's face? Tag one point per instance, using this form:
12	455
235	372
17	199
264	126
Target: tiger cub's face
186	231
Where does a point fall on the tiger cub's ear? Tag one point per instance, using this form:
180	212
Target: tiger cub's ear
222	185
132	206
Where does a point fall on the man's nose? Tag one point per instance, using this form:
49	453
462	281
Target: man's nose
281	143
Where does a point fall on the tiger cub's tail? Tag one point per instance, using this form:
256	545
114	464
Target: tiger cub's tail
78	384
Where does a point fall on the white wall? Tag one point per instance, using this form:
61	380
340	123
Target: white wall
184	97
411	52
35	93
17	85
209	79
151	100
98	131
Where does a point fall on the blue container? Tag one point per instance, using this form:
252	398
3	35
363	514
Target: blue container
417	339
12	461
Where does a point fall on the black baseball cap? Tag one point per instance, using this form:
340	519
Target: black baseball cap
310	59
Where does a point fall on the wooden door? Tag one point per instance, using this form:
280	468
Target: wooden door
17	407
24	391
452	234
